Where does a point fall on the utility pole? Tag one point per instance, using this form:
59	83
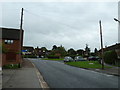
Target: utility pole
21	32
101	44
117	20
21	19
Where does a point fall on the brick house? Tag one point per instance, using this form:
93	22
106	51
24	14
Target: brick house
115	47
11	45
28	50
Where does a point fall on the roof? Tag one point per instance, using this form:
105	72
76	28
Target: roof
113	47
9	33
29	48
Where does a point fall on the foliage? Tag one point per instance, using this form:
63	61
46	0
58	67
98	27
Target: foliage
71	51
3	49
110	57
95	51
53	57
92	54
11	66
29	56
58	51
80	52
54	47
87	49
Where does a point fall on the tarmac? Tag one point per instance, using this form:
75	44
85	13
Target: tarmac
0	79
25	77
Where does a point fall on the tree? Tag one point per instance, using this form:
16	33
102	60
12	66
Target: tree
72	52
87	50
58	51
95	51
61	50
80	52
54	47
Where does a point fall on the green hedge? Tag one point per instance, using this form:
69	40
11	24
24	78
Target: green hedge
11	66
53	57
29	56
110	57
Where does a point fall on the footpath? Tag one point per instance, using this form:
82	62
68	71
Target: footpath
110	71
25	77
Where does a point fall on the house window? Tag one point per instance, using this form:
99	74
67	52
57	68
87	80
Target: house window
8	41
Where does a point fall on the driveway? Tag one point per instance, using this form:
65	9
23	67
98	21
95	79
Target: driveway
60	75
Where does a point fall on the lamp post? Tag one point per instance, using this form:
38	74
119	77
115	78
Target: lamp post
118	29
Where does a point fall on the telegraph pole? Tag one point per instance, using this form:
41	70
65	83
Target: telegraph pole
21	32
101	44
21	19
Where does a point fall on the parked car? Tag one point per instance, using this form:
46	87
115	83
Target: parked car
79	58
68	59
93	58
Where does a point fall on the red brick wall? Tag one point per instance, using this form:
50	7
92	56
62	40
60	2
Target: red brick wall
15	47
12	48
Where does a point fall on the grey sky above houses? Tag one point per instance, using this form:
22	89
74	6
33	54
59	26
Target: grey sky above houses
70	24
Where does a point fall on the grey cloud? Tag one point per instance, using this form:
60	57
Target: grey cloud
67	24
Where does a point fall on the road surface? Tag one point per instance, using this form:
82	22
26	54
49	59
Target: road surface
60	75
0	79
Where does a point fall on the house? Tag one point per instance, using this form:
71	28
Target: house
11	41
41	52
115	47
28	50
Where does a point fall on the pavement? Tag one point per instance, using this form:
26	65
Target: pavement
25	77
111	71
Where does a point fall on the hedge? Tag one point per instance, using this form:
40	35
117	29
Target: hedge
110	57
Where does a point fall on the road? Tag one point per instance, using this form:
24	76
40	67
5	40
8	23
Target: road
60	75
0	78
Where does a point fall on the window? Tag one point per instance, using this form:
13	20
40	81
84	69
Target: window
8	41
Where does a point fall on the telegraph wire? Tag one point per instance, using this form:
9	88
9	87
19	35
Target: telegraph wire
51	19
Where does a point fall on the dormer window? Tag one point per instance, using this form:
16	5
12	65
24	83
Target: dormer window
8	41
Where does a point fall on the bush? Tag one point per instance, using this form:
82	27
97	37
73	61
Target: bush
53	56
110	57
73	56
29	56
11	66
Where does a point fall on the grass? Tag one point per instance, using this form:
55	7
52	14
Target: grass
53	59
86	64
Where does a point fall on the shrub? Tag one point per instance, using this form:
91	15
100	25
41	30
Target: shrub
11	66
29	56
73	56
53	56
110	57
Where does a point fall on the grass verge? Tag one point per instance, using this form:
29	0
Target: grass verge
86	64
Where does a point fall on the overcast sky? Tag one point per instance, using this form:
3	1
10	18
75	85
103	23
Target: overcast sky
70	24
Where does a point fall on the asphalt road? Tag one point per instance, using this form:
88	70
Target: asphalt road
0	79
59	75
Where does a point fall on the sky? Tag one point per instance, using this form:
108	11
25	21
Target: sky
70	24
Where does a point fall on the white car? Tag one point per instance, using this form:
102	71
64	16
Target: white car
68	59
